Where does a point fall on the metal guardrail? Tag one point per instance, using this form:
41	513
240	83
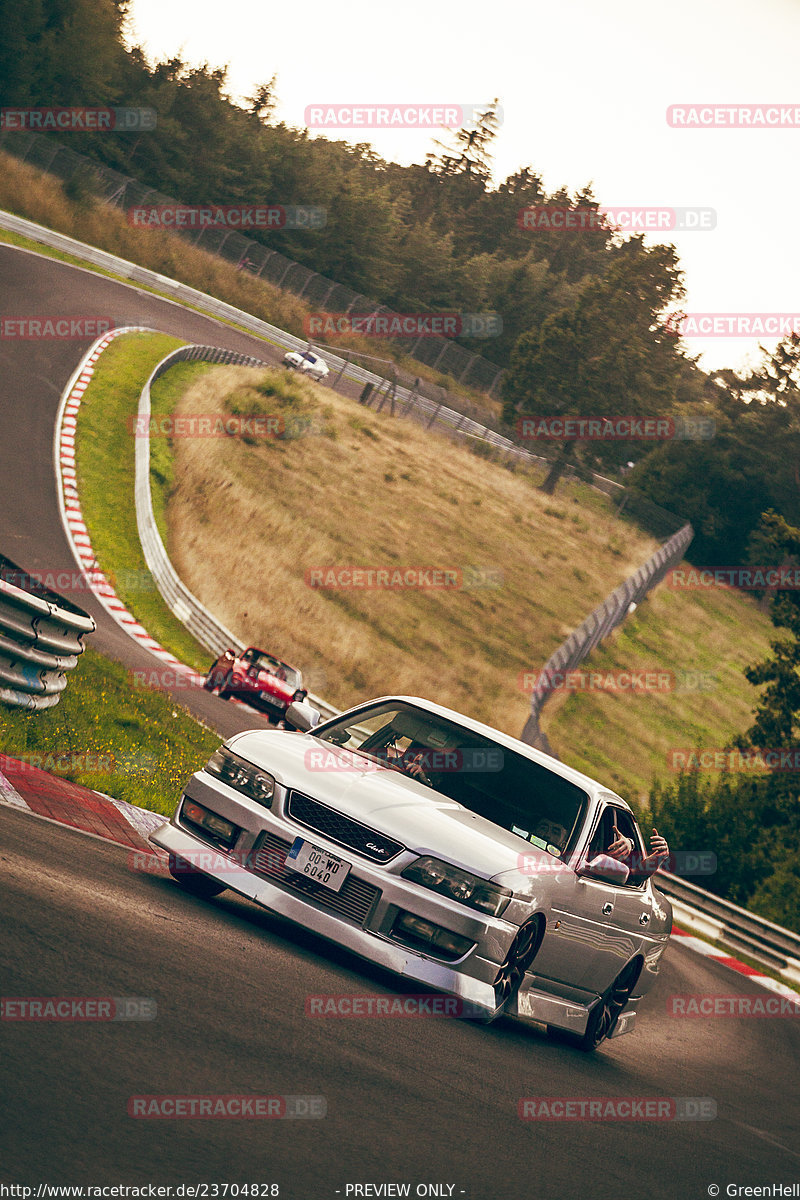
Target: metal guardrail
733	927
407	400
440	354
41	638
607	616
203	625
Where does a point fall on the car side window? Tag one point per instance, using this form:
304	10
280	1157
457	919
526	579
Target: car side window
604	835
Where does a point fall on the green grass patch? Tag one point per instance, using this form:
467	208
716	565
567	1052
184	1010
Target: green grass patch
702	641
105	448
143	745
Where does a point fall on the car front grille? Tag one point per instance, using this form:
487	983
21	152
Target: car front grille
341	829
354	900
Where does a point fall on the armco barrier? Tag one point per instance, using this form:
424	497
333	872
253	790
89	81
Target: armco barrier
733	927
607	616
41	638
205	627
407	400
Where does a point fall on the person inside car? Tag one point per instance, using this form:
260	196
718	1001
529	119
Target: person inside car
622	848
410	761
551	832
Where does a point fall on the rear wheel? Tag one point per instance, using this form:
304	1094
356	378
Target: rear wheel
192	880
604	1016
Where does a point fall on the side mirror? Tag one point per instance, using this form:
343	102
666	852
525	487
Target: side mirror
604	867
301	715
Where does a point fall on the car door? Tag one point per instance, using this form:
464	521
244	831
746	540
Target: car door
596	926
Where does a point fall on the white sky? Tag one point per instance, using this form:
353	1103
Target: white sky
584	89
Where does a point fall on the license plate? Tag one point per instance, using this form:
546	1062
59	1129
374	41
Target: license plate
317	864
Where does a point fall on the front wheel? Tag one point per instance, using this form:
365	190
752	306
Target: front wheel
192	880
521	954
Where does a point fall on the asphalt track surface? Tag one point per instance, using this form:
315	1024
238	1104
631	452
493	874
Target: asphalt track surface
409	1101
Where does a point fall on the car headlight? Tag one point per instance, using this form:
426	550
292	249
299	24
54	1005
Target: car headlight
459	885
238	774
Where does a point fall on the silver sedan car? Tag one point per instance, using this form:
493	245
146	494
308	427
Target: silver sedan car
441	849
307	362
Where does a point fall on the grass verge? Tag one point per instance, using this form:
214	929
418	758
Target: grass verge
700	641
350	487
104	448
147	746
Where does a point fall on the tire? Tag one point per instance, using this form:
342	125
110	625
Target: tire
606	1013
521	953
192	880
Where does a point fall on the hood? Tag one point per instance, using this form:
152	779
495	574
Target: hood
385	800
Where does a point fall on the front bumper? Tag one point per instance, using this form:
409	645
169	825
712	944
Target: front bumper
362	941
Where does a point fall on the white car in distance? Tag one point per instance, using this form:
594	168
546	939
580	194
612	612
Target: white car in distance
307	362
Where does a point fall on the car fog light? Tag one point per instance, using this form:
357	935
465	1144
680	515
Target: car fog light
414	930
198	815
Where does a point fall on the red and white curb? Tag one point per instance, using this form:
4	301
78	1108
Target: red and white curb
72	515
722	956
72	520
55	799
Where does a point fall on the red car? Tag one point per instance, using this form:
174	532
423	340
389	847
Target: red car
258	678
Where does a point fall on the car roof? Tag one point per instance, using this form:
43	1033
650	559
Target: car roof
595	789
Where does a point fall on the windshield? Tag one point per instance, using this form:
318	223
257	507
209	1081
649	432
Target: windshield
275	667
497	783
